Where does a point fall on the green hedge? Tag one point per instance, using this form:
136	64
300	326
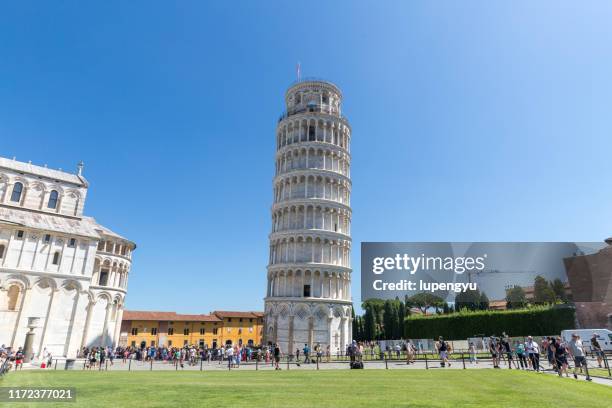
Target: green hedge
537	321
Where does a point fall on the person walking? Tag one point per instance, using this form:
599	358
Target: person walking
507	350
102	356
351	350
520	354
409	352
549	346
560	357
277	356
229	353
576	351
306	351
443	352
533	352
494	350
472	352
319	353
596	348
19	356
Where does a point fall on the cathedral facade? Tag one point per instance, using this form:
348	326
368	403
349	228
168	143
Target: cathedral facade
63	276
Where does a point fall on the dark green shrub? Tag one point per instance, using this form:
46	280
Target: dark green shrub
537	321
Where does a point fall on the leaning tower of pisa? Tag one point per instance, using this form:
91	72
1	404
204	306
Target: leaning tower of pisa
308	296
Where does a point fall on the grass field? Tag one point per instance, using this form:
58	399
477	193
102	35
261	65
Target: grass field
333	388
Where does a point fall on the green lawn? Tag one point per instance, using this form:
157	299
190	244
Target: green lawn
333	388
601	372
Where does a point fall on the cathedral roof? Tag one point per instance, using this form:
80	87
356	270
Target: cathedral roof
47	222
102	230
42	171
28	218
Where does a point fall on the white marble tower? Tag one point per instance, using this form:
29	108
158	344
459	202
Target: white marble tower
308	296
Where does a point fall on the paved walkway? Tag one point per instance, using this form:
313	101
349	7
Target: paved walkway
133	365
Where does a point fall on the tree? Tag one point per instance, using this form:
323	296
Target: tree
373	319
470	299
542	292
558	289
516	298
401	315
356	325
369	325
426	301
389	320
484	301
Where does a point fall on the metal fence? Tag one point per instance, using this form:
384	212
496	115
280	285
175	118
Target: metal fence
390	360
4	366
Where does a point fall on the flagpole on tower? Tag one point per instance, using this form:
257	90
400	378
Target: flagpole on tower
298	71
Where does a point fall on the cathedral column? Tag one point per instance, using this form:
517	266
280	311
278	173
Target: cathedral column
310	331
329	333
71	337
109	306
290	343
90	307
47	319
117	335
343	340
25	302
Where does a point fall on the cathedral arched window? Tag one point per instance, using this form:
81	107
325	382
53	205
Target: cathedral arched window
56	257
17	190
1	251
53	199
13	295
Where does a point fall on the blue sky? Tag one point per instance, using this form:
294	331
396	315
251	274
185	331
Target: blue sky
472	121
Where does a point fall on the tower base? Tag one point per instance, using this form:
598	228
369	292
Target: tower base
294	323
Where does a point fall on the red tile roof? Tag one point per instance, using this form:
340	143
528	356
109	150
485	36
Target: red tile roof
224	313
168	316
197	318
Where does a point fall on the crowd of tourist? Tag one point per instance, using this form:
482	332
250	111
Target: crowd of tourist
526	355
15	358
188	354
523	354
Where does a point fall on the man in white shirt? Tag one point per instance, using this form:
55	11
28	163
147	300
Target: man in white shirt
576	350
229	353
533	351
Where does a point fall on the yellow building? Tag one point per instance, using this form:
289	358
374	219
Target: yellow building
176	330
241	327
